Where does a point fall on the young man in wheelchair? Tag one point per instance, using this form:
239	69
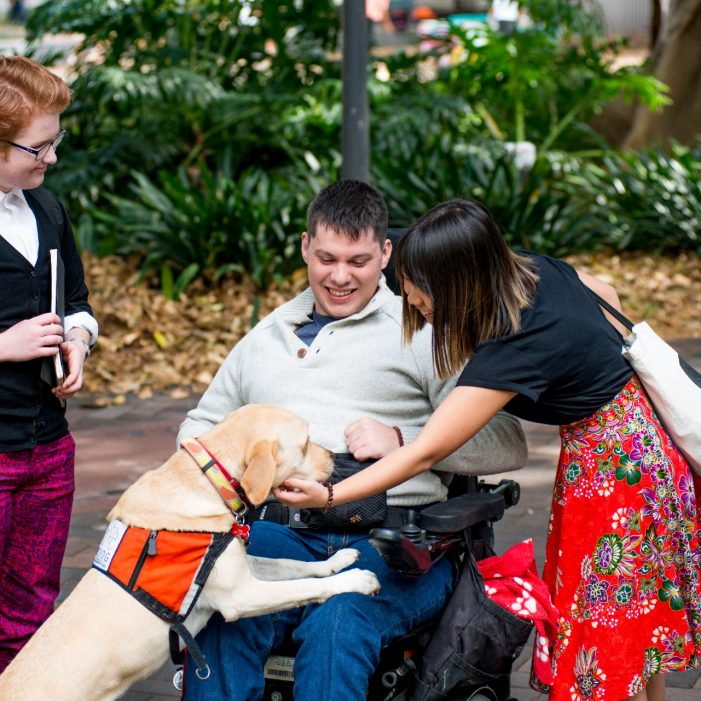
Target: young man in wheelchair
335	356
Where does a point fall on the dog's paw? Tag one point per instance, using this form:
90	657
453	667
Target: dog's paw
342	559
359	581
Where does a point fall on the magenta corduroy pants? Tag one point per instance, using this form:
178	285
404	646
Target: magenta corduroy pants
36	496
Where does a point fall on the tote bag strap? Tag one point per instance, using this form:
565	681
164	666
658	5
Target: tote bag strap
619	316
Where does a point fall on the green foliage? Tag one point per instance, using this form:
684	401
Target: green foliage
541	208
168	82
172	288
538	209
575	17
649	201
233	42
201	129
420	151
226	102
198	223
124	120
506	78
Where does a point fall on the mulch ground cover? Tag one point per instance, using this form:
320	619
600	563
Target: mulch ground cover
151	344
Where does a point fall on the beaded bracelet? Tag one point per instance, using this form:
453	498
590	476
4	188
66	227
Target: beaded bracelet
399	435
329	501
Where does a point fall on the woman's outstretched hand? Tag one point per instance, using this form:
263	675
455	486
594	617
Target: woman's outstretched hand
300	493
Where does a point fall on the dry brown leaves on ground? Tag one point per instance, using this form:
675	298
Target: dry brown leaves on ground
149	343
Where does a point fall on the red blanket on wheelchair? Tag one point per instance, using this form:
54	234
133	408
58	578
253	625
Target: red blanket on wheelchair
512	581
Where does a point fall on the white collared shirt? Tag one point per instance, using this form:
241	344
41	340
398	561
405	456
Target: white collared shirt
18	226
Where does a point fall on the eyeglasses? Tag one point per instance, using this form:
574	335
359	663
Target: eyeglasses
40	152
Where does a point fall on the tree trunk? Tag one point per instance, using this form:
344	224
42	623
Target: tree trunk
676	62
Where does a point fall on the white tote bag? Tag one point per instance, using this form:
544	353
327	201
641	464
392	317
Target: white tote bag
672	384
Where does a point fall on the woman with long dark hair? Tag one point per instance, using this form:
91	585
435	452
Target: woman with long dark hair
622	556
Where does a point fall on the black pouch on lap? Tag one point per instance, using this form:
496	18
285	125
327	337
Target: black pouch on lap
358	515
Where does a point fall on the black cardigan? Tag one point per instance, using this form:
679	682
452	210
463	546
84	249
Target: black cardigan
29	412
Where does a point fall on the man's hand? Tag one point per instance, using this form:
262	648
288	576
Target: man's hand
304	494
368	439
37	337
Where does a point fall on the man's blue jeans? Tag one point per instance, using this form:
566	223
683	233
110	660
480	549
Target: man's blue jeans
339	641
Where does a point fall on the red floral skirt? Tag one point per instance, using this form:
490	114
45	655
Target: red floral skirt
622	557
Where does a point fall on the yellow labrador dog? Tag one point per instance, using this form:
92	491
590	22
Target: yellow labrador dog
103	638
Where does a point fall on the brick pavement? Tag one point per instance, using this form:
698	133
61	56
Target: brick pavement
117	444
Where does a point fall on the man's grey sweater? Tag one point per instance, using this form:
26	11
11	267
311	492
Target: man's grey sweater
355	367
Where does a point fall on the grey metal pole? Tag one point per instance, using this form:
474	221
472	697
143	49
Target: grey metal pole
355	132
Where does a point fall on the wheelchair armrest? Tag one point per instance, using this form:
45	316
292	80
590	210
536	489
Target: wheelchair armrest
463	511
414	548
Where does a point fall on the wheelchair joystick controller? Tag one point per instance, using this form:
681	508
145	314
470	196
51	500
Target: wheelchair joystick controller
410	530
403	549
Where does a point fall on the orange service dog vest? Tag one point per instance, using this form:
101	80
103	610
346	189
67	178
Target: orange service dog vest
164	570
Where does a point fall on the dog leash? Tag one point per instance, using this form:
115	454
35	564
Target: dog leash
179	632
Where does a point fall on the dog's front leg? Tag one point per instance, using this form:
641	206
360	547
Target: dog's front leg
264	597
276	569
240	595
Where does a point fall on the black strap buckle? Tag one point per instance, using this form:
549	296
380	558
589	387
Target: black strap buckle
277	513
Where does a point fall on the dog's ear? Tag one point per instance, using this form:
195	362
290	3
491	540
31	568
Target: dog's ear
259	470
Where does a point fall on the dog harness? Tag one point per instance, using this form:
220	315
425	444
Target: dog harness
165	571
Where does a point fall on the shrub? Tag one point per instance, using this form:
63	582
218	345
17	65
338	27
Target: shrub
200	223
649	201
201	129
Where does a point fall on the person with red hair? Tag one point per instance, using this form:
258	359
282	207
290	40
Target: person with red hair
36	450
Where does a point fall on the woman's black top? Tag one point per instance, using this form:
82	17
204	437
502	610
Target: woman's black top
565	363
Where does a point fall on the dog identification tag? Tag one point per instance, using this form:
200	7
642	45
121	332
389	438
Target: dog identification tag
108	547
